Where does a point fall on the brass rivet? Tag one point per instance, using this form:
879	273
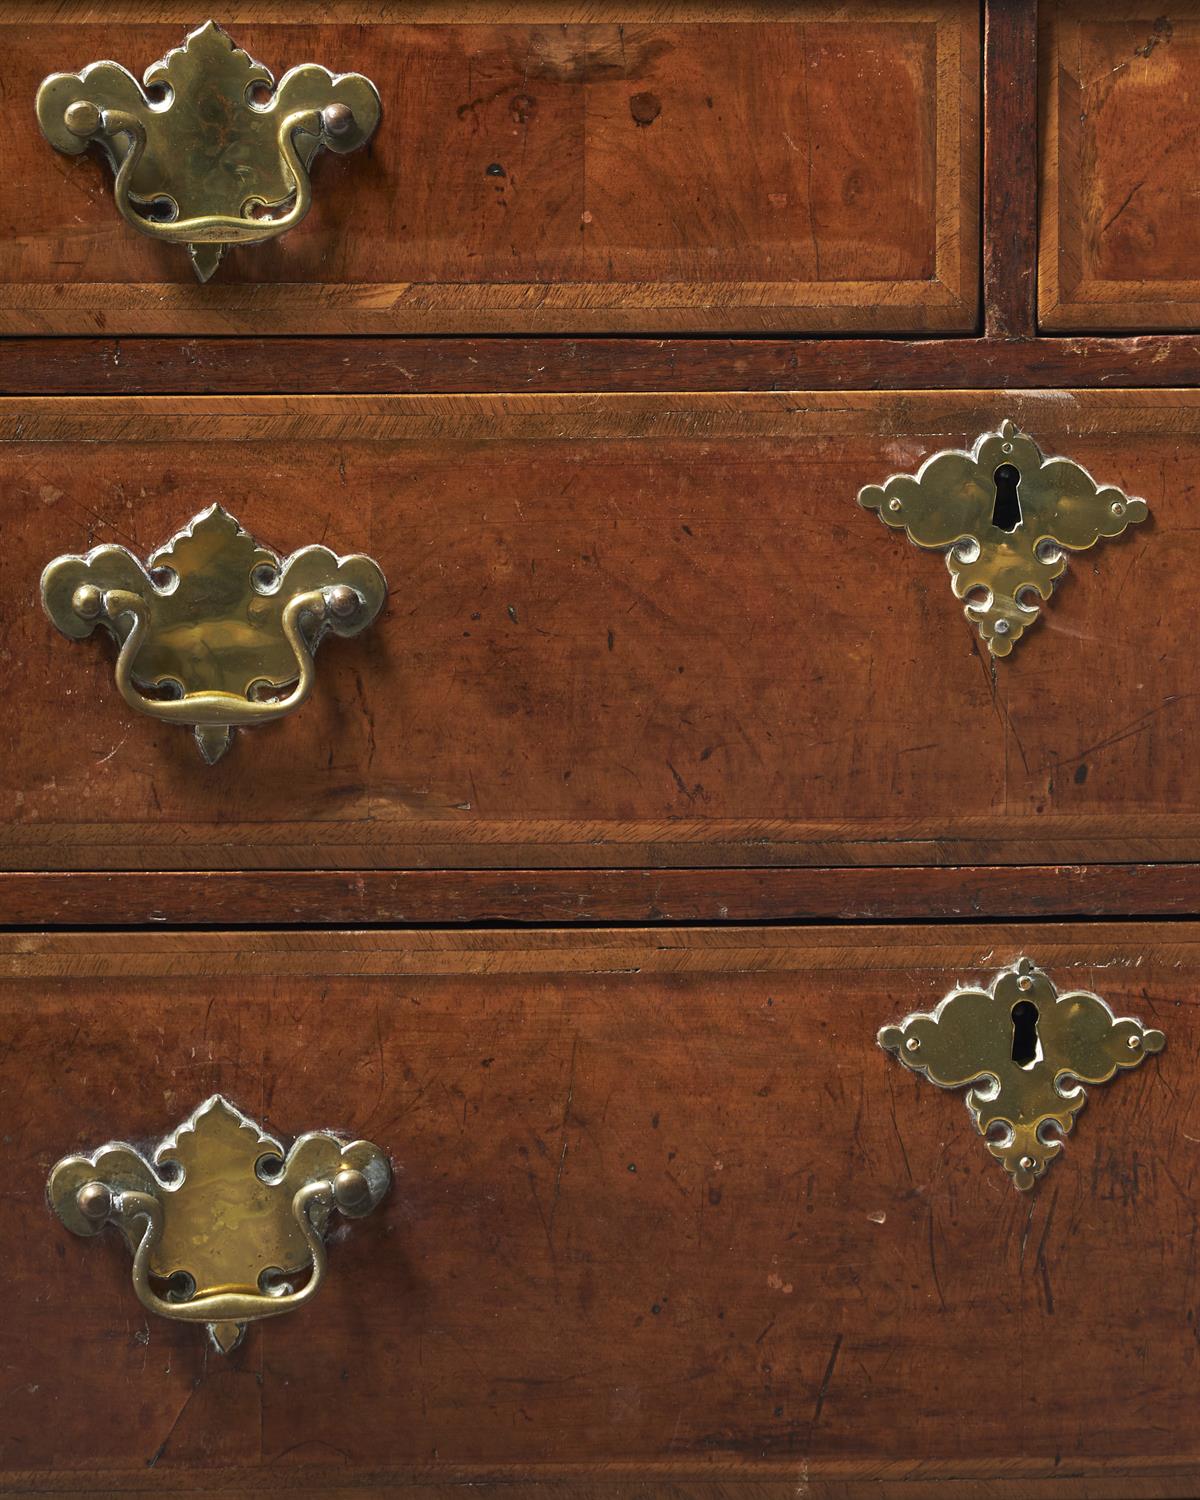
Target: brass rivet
87	601
1028	1163
351	1191
1133	1043
894	504
1024	983
912	1044
338	118
1117	508
82	118
343	601
95	1201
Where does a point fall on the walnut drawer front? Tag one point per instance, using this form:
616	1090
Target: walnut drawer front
556	167
1119	154
660	1203
622	630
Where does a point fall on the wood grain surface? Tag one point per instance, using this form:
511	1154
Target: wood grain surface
1010	171
217	898
424	366
575	168
663	1212
623	630
1119	158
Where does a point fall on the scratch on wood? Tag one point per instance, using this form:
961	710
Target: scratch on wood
827	1379
162	1447
562	1156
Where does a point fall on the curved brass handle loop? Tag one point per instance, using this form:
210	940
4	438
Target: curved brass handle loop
227	1306
215	707
212	229
216	616
180	155
232	1229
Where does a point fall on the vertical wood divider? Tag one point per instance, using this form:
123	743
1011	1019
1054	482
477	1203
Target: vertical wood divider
1010	165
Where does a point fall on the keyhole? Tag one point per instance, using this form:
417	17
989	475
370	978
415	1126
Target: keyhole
1006	512
1026	1048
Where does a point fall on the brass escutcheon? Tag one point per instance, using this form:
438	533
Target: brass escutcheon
1006	518
1028	1050
214	630
210	152
219	1219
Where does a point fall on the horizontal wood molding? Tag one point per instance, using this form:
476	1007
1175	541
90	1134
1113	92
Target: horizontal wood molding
416	366
702	949
331	898
1001	1478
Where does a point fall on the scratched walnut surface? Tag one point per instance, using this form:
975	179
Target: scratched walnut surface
1119	153
621	631
563	167
660	1203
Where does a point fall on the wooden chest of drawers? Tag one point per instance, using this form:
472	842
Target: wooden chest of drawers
751	572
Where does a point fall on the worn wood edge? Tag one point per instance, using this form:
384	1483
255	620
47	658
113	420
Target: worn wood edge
1050	288
1010	167
597	415
1117	308
433	897
808	1488
798	1478
116	849
798	1486
453	843
360	366
825	949
958	143
495	308
470	12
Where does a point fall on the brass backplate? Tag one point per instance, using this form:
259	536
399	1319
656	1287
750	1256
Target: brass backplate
1027	1050
209	152
1006	517
218	1216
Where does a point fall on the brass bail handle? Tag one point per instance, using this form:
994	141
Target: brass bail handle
214	630
231	1221
206	103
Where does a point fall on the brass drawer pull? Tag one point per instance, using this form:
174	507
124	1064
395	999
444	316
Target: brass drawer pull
215	631
199	158
218	1217
1006	518
1028	1050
